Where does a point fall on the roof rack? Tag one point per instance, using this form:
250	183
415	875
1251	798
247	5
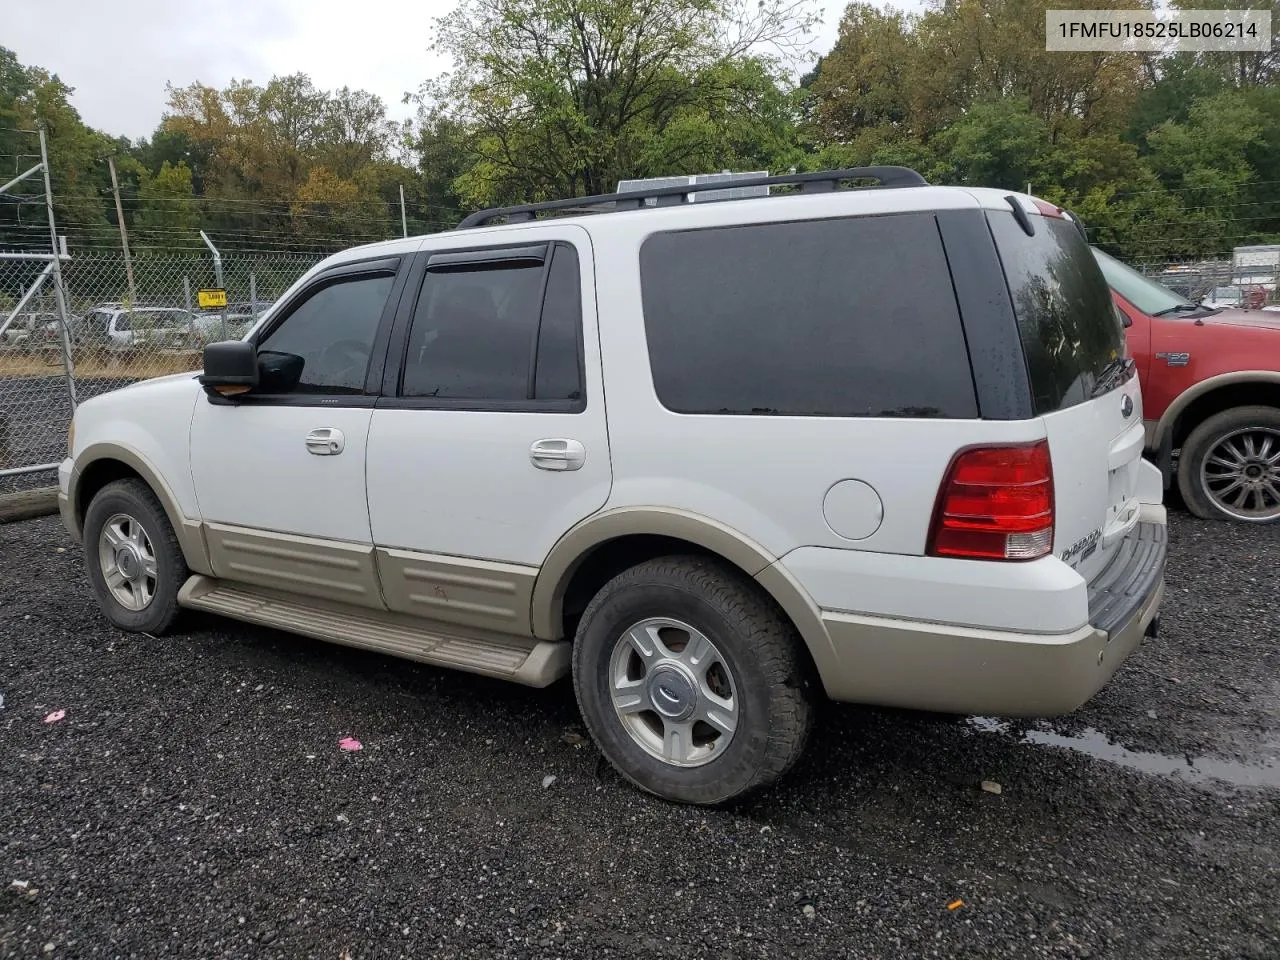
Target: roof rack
823	181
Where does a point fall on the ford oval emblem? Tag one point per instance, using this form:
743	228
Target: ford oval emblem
1126	405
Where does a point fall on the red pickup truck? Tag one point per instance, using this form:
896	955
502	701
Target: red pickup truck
1210	392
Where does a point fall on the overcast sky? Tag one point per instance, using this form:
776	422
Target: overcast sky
118	56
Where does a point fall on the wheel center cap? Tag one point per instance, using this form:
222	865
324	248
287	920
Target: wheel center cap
1253	471
128	562
671	692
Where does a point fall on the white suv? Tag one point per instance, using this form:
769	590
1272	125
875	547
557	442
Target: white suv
715	459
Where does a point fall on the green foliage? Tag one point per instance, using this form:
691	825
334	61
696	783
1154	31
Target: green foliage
1163	157
559	98
167	202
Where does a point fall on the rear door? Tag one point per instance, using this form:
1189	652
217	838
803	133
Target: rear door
490	439
1081	386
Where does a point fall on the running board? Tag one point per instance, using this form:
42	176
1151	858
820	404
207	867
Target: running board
532	662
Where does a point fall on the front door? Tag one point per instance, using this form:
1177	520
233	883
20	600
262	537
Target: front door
490	440
279	474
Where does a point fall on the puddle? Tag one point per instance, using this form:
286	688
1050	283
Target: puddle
1095	744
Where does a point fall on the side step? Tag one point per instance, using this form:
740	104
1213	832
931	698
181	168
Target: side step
532	662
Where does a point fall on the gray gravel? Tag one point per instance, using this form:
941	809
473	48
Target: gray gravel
194	803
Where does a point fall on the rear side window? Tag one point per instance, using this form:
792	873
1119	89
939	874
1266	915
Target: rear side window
844	318
1066	317
499	332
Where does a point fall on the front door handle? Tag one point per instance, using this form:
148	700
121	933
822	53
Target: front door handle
326	441
558	454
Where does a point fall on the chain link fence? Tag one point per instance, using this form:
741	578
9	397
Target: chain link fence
112	341
1220	283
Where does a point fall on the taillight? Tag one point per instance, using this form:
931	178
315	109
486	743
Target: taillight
996	503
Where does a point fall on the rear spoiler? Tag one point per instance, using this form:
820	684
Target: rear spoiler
1046	210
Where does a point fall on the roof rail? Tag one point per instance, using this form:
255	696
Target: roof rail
822	181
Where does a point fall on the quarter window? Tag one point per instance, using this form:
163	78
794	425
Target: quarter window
850	317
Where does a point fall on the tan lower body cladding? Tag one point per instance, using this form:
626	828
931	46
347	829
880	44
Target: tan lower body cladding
450	611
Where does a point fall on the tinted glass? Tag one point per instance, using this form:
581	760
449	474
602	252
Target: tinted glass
1066	317
851	317
472	335
333	332
558	370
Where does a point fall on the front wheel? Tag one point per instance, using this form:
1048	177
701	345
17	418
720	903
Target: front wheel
692	684
133	558
1229	468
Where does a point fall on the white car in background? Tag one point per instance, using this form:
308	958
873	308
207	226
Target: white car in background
116	327
231	323
30	331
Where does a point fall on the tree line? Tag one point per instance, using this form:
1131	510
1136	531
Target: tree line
1164	157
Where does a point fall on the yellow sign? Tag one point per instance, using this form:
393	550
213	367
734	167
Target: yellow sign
212	298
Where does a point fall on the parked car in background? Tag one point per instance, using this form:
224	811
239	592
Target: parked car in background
1210	394
115	327
232	323
30	331
932	501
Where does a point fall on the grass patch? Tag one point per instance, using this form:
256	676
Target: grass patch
114	366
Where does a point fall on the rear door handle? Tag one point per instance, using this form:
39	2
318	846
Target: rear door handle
326	442
558	454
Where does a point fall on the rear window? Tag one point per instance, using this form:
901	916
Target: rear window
850	317
1066	317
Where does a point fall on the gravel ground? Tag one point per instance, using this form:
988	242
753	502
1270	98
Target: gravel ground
194	803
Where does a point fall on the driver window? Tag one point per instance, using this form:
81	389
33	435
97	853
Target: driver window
332	334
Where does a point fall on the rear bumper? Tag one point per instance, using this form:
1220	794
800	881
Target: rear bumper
952	669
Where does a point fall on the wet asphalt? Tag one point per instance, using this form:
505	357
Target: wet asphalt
194	802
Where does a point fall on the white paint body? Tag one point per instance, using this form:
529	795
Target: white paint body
462	483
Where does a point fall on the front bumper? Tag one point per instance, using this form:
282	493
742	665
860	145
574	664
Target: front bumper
954	669
66	497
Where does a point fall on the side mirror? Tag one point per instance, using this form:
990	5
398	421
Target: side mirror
230	367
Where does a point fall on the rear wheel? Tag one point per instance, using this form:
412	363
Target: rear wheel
692	684
133	558
1230	466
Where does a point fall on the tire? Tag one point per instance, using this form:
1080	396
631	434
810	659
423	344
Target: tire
756	658
1203	455
133	501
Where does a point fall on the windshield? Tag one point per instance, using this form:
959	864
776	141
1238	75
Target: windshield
1144	293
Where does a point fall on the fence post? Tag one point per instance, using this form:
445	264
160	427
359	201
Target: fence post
186	291
59	295
253	295
124	240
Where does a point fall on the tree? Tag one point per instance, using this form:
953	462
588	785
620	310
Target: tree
353	132
1205	162
166	205
864	81
999	143
328	206
565	97
927	70
30	97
